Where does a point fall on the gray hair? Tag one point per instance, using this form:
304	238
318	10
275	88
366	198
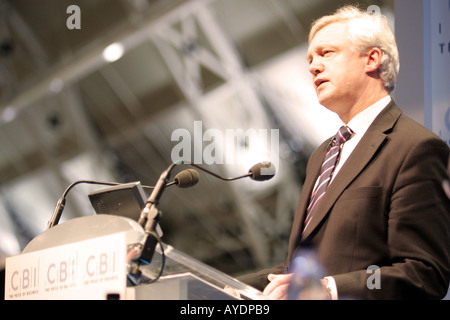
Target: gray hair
366	31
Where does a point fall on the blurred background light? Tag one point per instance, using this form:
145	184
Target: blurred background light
113	52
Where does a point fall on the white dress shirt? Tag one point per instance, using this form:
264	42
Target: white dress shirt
359	125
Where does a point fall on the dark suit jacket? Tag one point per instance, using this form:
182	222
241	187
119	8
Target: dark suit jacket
386	207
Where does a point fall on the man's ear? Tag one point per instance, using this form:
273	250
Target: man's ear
373	60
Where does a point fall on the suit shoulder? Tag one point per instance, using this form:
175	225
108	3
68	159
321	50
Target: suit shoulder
415	132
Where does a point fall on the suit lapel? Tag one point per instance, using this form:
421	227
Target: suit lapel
358	160
313	170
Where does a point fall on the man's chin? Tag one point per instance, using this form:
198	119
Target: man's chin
325	102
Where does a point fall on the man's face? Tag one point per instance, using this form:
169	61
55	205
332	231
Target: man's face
337	69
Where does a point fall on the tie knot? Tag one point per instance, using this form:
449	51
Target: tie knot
343	135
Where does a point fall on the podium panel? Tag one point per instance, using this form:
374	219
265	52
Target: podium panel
193	279
183	286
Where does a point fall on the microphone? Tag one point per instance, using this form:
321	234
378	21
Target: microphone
259	172
149	220
184	179
150	215
62	201
262	171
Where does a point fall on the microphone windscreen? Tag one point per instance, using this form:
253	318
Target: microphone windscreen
186	178
262	171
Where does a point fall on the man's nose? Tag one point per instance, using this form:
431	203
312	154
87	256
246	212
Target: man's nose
315	67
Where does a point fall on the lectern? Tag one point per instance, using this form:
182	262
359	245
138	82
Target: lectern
89	258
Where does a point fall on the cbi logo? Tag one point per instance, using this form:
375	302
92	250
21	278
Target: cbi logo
26	279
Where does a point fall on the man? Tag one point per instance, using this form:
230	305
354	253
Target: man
384	205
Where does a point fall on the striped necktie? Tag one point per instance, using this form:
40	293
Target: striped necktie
329	163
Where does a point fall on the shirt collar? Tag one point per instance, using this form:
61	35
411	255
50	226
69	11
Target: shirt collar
361	122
